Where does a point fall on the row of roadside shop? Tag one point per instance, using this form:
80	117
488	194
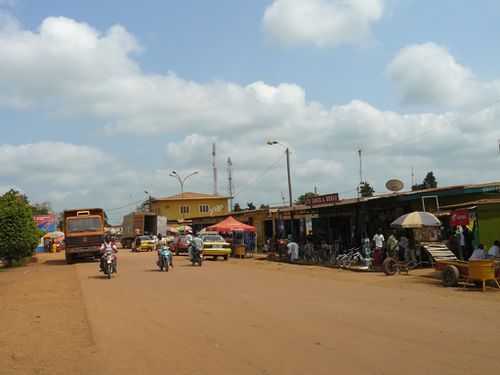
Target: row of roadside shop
344	221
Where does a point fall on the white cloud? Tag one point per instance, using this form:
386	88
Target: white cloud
10	3
63	173
427	74
91	76
322	22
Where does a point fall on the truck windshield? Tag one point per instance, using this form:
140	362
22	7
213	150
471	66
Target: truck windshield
83	224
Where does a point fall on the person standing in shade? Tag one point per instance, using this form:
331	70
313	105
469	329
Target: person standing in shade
365	245
404	243
392	246
461	243
293	251
468	236
378	240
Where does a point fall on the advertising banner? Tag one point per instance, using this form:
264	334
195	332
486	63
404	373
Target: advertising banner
46	223
459	217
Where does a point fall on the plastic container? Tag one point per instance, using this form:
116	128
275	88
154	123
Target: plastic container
481	270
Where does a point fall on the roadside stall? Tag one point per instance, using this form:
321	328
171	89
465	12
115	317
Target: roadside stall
425	229
243	236
482	217
53	241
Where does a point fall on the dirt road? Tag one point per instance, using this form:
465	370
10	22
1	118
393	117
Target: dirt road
244	316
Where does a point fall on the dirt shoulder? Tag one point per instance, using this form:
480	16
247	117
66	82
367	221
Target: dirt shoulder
44	324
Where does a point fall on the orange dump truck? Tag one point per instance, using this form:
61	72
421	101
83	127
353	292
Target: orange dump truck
83	232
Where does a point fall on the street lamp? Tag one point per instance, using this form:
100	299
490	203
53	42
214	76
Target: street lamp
287	151
149	195
181	180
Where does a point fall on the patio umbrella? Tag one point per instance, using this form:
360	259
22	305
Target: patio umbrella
172	230
55	234
417	219
184	228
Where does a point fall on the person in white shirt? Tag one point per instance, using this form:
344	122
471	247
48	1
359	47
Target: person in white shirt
494	251
378	240
293	251
478	253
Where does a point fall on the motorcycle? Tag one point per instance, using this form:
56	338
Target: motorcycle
165	258
196	256
109	266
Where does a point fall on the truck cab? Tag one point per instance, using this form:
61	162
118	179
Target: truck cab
83	233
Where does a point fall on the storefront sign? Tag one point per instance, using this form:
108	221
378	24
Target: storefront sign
322	199
459	217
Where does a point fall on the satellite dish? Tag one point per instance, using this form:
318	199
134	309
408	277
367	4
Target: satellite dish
394	185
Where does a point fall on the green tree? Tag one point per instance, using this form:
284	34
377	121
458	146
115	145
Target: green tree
18	231
264	205
237	207
106	223
250	206
43	208
365	190
302	198
429	182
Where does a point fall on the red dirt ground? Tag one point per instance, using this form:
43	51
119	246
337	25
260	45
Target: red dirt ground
243	316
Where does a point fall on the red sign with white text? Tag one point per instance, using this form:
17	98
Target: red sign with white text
322	199
459	217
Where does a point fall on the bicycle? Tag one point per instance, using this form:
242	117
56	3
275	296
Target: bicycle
310	255
391	265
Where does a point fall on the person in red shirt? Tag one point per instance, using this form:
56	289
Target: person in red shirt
108	243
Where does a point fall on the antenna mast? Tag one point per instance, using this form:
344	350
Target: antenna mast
215	169
230	183
360	168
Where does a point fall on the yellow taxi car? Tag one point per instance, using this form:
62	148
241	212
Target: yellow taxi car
214	245
143	243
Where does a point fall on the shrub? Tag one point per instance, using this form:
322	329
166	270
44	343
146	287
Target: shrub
19	235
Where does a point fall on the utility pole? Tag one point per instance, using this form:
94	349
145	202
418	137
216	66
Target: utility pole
287	152
149	201
360	168
230	183
214	168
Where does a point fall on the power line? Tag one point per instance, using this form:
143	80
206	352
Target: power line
127	205
262	175
406	140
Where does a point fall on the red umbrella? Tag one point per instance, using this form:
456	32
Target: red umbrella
231	224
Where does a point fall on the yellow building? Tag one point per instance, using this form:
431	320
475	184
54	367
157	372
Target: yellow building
182	207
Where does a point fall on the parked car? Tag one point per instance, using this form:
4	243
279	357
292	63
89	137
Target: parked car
180	244
214	245
143	243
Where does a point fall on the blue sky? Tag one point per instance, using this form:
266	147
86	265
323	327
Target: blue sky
99	103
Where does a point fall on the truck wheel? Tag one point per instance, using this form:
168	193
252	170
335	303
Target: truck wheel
450	275
70	258
177	252
225	257
390	266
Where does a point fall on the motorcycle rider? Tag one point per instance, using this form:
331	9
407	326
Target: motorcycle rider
189	239
108	243
170	258
196	245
